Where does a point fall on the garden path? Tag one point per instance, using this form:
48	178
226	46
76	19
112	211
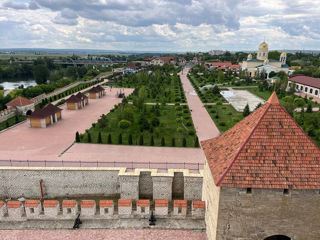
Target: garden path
202	121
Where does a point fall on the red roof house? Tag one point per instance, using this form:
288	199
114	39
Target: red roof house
22	105
19	101
267	149
306	80
221	64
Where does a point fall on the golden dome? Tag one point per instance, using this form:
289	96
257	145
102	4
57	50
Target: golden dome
283	54
263	45
249	56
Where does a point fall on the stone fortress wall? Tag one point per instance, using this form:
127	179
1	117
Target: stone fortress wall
103	209
16	182
259	213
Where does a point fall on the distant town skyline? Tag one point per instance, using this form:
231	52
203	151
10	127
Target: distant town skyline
149	25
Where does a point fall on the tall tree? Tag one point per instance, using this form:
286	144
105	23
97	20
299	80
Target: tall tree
40	73
246	111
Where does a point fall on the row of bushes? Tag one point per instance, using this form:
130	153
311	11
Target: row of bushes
86	138
11	121
67	93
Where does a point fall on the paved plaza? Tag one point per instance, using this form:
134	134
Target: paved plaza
240	98
24	143
54	146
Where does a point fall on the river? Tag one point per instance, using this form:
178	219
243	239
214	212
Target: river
15	84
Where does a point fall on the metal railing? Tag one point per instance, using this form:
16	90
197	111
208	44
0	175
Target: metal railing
129	165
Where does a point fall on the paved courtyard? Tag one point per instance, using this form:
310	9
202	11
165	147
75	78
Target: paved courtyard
100	234
54	146
240	98
135	156
24	143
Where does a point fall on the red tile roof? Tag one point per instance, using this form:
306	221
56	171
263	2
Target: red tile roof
167	59
124	202
161	203
199	204
180	203
235	66
1	203
306	80
87	203
267	149
19	101
50	203
220	64
13	204
31	203
69	203
143	202
106	203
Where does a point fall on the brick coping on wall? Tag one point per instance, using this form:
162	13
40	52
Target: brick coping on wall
50	203
31	203
69	203
143	202
106	203
180	203
161	203
13	204
87	203
198	204
124	202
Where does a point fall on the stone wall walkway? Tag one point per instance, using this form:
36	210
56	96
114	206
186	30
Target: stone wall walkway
102	234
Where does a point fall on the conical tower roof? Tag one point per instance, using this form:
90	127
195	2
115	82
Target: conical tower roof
267	149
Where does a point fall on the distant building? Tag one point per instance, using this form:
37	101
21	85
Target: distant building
41	118
304	84
263	63
223	66
22	105
262	179
160	61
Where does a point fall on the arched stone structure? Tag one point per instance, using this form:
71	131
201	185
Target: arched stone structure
278	237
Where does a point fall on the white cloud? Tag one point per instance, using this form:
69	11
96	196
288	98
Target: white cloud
175	25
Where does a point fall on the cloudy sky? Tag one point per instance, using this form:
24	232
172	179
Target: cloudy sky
168	25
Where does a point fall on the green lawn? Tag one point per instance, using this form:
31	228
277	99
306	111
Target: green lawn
162	122
207	95
11	121
224	116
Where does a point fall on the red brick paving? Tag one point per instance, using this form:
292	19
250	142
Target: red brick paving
24	143
84	234
202	121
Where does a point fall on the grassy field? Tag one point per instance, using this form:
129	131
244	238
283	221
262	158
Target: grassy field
163	123
207	95
224	116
